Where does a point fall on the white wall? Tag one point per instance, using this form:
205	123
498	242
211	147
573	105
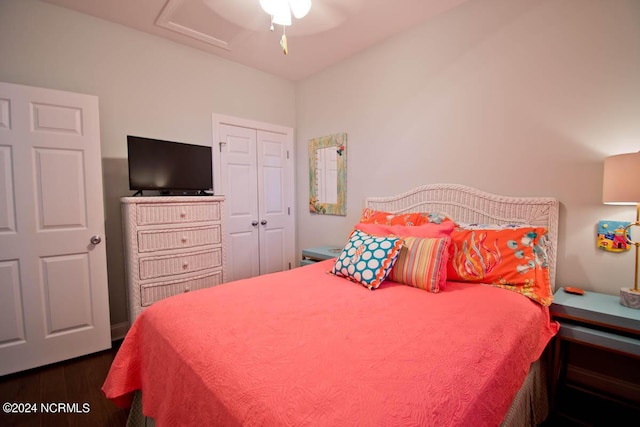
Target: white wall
147	86
516	97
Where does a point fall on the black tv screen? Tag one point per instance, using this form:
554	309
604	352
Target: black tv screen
168	166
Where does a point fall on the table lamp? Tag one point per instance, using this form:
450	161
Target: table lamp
621	186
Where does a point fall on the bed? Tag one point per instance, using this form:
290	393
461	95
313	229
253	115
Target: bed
307	347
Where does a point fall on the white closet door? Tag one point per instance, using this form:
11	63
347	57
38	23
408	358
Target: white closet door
276	227
254	169
239	177
54	302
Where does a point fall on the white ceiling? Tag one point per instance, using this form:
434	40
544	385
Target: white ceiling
238	30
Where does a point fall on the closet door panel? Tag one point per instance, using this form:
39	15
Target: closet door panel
275	227
239	177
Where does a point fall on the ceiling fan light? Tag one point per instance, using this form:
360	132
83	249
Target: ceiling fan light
275	7
300	8
279	11
282	19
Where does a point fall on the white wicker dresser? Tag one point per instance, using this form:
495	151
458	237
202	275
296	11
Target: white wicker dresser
172	245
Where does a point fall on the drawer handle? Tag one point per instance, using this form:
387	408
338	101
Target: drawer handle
183	214
184	239
185	264
186	289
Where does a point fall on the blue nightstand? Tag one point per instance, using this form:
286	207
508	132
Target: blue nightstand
320	253
598	320
595	320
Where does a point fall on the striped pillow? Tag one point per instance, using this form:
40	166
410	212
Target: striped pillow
422	263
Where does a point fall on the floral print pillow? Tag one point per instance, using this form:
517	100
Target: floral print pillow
511	258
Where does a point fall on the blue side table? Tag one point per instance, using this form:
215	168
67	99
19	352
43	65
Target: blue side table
320	253
596	320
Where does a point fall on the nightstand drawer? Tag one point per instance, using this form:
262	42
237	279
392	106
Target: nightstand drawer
595	337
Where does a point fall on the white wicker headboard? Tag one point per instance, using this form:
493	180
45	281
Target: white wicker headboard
467	204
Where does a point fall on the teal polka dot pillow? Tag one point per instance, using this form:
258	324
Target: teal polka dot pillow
367	259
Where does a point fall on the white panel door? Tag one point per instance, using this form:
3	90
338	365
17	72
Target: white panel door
255	172
276	228
53	282
238	178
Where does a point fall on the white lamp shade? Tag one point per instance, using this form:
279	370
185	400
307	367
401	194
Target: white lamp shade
300	8
621	181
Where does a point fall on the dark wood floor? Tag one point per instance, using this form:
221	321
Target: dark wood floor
73	381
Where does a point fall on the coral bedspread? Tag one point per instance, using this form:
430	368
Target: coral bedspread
304	347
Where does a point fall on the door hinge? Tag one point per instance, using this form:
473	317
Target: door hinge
288	211
220	144
289	266
287	154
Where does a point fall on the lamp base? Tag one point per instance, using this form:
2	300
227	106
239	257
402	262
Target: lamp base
630	298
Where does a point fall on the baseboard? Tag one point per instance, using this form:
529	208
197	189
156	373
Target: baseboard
611	385
119	330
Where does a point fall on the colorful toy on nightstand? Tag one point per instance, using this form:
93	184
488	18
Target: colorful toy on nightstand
611	236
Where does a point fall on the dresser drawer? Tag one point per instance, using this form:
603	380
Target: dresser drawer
173	213
169	265
157	291
177	238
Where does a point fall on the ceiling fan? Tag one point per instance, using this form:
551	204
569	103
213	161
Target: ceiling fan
281	11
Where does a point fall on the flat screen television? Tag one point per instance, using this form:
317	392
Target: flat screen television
168	166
